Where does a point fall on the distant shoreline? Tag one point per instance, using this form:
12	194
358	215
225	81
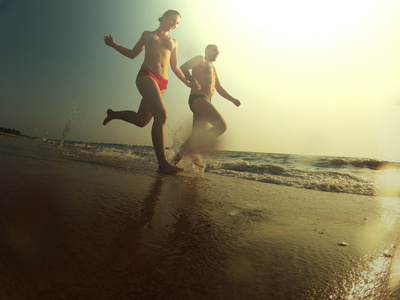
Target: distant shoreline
9	134
12	134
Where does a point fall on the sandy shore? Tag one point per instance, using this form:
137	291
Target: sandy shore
73	230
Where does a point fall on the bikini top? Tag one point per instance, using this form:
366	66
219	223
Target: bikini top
153	38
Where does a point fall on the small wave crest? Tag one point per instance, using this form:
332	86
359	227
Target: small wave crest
315	180
109	154
371	164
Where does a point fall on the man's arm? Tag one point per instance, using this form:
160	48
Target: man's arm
130	53
223	92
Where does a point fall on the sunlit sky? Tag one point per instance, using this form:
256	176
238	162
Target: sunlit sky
314	77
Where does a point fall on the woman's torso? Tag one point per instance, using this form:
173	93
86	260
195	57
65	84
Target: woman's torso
158	52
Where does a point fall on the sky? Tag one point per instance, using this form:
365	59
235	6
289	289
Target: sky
314	77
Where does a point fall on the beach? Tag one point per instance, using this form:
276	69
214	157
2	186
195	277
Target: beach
73	229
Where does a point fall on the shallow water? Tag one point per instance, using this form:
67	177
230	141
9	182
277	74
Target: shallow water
362	176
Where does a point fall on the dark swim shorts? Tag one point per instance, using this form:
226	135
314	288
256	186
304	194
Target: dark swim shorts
193	97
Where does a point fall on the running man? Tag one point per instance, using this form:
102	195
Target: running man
205	76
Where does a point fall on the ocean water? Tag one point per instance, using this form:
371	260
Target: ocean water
363	176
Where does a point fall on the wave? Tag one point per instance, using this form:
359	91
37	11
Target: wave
371	164
315	180
330	174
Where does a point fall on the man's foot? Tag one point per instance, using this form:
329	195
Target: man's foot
109	116
196	160
177	158
168	169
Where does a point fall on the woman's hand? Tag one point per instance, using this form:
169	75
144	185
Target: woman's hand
109	40
194	85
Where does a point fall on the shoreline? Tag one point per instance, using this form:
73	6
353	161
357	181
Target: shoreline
316	174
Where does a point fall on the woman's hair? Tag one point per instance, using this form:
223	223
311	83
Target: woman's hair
168	13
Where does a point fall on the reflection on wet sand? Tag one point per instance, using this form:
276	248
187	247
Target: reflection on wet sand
180	247
124	253
170	248
394	278
378	275
389	193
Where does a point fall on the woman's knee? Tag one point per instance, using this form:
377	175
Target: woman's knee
161	117
142	123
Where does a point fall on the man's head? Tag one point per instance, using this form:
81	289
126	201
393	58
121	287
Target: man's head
211	52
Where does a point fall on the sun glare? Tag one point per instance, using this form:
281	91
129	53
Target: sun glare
333	62
314	18
306	19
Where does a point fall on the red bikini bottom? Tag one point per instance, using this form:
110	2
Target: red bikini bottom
161	81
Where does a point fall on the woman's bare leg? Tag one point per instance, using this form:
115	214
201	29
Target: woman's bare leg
153	101
140	118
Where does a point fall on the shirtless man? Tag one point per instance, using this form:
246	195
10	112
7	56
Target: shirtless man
205	76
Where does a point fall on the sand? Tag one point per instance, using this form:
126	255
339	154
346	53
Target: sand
74	230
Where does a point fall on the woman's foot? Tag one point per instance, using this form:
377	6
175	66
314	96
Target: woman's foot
168	169
109	117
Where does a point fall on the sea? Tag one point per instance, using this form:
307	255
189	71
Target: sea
352	175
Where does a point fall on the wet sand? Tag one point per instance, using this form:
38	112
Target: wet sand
74	230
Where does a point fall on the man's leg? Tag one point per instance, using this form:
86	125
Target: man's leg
204	113
199	126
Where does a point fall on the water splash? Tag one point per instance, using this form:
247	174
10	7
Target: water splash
67	128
